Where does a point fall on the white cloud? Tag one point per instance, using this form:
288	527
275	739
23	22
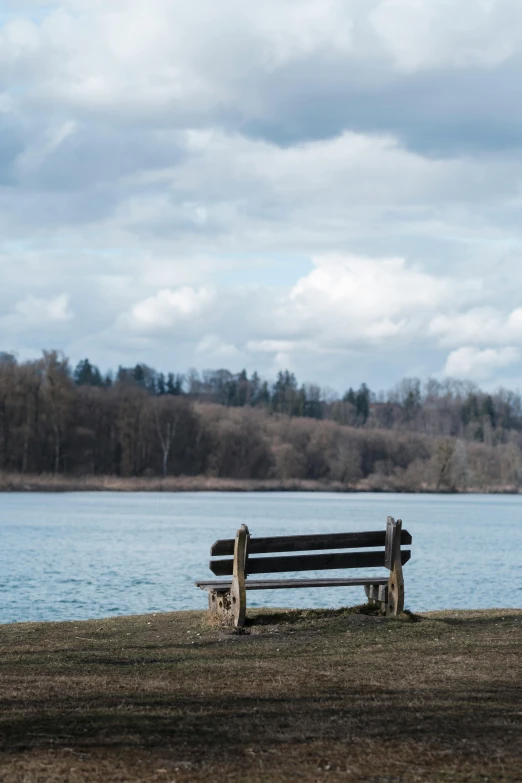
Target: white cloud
283	361
352	168
186	54
344	302
427	33
212	347
19	39
481	365
478	326
349	300
34	311
168	308
370	288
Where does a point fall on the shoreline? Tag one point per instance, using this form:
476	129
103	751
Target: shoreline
16	482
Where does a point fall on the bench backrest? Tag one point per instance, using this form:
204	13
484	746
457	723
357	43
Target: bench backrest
386	546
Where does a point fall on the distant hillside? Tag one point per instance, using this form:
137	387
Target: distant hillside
140	423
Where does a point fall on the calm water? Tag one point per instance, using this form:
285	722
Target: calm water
84	555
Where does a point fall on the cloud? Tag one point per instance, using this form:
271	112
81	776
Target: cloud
439	33
168	308
272	346
478	326
345	303
212	347
33	311
281	70
351	300
370	288
35	156
476	364
34	323
330	184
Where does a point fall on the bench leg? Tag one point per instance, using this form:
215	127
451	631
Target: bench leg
238	603
230	605
219	604
237	590
392	560
377	596
395	603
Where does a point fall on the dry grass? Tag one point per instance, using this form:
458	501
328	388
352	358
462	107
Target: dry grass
16	482
312	696
48	482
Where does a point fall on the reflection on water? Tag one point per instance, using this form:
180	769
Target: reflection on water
84	555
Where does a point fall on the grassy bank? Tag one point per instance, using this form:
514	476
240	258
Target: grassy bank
48	482
15	482
313	696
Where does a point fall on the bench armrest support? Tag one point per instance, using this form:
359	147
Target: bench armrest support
392	560
237	589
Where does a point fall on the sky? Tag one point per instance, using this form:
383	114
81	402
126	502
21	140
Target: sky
328	186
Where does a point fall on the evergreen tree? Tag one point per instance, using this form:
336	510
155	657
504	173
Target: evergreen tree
349	396
86	374
139	374
174	384
362	403
264	398
488	410
313	407
255	389
242	389
161	386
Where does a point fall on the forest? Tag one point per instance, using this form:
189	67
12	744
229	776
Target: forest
136	422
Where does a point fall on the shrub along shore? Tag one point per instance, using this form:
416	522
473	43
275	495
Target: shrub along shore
50	482
338	695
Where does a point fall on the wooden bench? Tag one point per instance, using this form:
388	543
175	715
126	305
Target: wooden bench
227	598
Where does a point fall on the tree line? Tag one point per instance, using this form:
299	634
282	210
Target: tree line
450	407
138	422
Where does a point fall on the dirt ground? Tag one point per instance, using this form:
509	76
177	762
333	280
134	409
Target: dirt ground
338	695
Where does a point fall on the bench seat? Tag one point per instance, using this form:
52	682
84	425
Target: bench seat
281	584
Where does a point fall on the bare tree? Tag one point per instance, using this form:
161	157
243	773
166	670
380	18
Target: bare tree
58	389
166	412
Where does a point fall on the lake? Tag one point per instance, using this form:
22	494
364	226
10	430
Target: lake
85	555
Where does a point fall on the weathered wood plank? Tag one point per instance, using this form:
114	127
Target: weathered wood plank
395	602
303	543
389	551
376	591
272	565
282	584
219	603
219	587
237	589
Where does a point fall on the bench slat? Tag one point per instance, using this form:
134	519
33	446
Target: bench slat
303	543
281	584
272	565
